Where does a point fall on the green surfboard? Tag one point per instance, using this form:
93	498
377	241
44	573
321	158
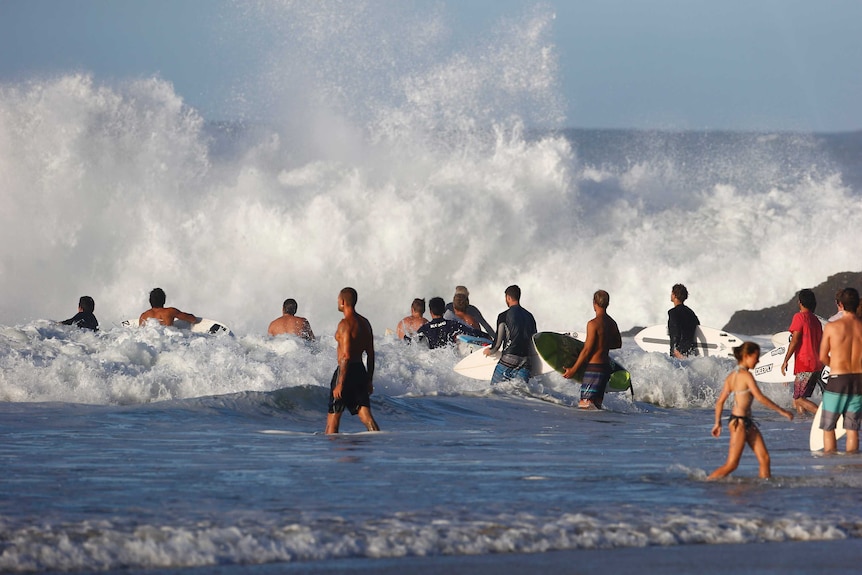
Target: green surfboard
560	351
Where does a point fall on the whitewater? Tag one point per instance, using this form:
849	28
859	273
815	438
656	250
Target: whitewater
402	170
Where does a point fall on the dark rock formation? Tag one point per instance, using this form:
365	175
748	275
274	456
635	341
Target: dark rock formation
777	318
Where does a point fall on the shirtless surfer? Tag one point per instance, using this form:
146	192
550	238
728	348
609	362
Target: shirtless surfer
290	323
603	335
841	350
460	312
165	315
351	385
408	326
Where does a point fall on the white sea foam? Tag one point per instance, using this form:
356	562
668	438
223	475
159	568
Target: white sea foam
406	190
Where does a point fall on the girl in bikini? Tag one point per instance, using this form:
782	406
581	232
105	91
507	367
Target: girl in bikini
742	427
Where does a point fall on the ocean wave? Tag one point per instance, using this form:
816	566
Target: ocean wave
106	545
47	362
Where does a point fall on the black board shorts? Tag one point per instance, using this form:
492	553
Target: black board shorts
354	391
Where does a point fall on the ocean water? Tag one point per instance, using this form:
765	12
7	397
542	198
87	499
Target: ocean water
401	170
142	448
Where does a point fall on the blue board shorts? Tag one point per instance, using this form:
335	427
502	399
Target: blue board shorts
595	382
503	373
843	396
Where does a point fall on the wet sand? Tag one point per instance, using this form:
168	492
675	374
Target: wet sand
791	558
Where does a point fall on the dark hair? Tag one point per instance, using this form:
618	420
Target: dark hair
418	305
602	299
437	305
680	292
157	298
808	299
746	348
850	300
514	292
349	296
87	304
289	306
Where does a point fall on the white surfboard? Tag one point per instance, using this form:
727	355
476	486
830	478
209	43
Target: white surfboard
203	326
768	369
711	342
815	437
477	365
781	338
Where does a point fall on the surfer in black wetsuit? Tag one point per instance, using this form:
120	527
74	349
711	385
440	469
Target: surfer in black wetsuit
440	331
515	329
84	318
681	324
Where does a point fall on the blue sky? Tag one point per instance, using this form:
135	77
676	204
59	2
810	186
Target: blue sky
664	64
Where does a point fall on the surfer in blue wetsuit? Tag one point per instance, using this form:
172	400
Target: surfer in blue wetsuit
515	329
681	324
603	335
440	331
84	318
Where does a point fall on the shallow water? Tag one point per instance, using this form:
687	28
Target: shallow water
248	477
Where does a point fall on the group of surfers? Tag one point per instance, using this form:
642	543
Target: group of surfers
837	345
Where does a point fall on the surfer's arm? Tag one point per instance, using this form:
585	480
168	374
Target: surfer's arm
369	361
342	338
484	323
759	396
795	340
719	407
617	341
181	315
586	353
498	339
306	331
825	346
672	332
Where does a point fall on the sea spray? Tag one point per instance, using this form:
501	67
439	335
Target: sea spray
399	176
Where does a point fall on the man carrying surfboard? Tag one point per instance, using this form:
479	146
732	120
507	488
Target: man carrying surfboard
165	315
351	386
515	329
682	324
603	335
806	333
841	350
